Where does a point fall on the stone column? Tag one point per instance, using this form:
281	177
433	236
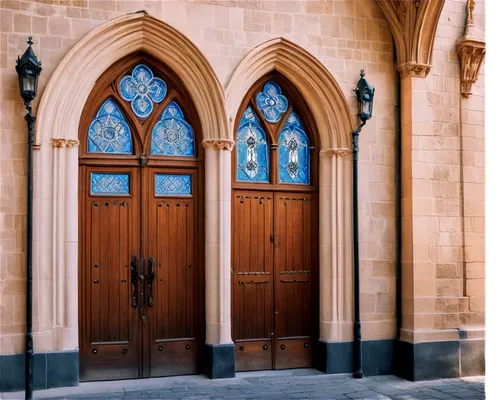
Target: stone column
335	247
65	243
219	355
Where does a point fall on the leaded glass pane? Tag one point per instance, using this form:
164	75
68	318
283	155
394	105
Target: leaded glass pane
252	153
172	185
271	102
109	132
293	152
142	89
109	183
172	135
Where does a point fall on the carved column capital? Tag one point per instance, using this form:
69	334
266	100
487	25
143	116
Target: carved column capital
414	69
64	142
341	152
72	143
218	144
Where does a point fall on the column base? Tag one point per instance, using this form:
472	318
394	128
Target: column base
439	360
337	357
50	370
219	361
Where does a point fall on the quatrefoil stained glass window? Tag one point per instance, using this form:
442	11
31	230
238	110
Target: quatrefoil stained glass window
109	132
142	89
172	135
293	152
271	102
252	151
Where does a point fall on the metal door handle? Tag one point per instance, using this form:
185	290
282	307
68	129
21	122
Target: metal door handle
151	277
142	294
135	274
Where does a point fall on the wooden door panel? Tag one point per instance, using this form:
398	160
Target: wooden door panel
295	272
252	321
174	347
109	346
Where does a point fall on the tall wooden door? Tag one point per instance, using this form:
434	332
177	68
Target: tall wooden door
142	286
173	275
252	317
110	338
295	279
141	226
274	313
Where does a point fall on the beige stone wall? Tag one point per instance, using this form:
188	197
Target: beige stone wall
444	270
345	36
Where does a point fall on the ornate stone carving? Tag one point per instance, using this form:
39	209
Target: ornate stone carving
218	144
335	152
64	142
471	49
414	69
413	25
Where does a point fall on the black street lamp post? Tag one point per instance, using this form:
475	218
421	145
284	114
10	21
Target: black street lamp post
28	69
364	93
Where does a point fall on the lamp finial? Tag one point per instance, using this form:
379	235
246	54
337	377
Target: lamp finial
30	40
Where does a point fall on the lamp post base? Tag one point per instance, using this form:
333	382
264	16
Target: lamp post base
358	375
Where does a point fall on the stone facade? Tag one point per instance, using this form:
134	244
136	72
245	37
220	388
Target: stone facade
442	159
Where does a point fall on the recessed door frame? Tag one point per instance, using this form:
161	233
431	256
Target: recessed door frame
143	163
273	188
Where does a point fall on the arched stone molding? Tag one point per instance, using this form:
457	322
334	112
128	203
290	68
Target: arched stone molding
335	123
413	25
56	178
322	93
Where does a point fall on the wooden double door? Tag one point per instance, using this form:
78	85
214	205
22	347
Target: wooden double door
141	275
274	279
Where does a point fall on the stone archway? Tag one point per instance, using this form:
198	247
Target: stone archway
56	174
335	123
413	25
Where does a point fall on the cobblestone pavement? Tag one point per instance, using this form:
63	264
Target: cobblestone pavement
291	384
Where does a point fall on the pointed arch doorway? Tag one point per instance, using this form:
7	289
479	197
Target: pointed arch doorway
275	229
141	225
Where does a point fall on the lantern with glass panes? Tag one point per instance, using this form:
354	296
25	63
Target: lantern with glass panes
28	69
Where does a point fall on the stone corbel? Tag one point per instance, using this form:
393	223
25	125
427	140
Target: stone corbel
471	49
218	144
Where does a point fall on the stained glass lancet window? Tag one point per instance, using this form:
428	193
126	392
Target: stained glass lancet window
271	102
293	152
142	88
172	135
109	132
252	154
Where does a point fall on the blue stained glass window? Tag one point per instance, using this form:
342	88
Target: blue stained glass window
109	132
109	183
172	185
293	152
172	135
142	88
271	102
252	154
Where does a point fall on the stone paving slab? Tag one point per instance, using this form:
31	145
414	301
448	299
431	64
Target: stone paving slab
262	385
